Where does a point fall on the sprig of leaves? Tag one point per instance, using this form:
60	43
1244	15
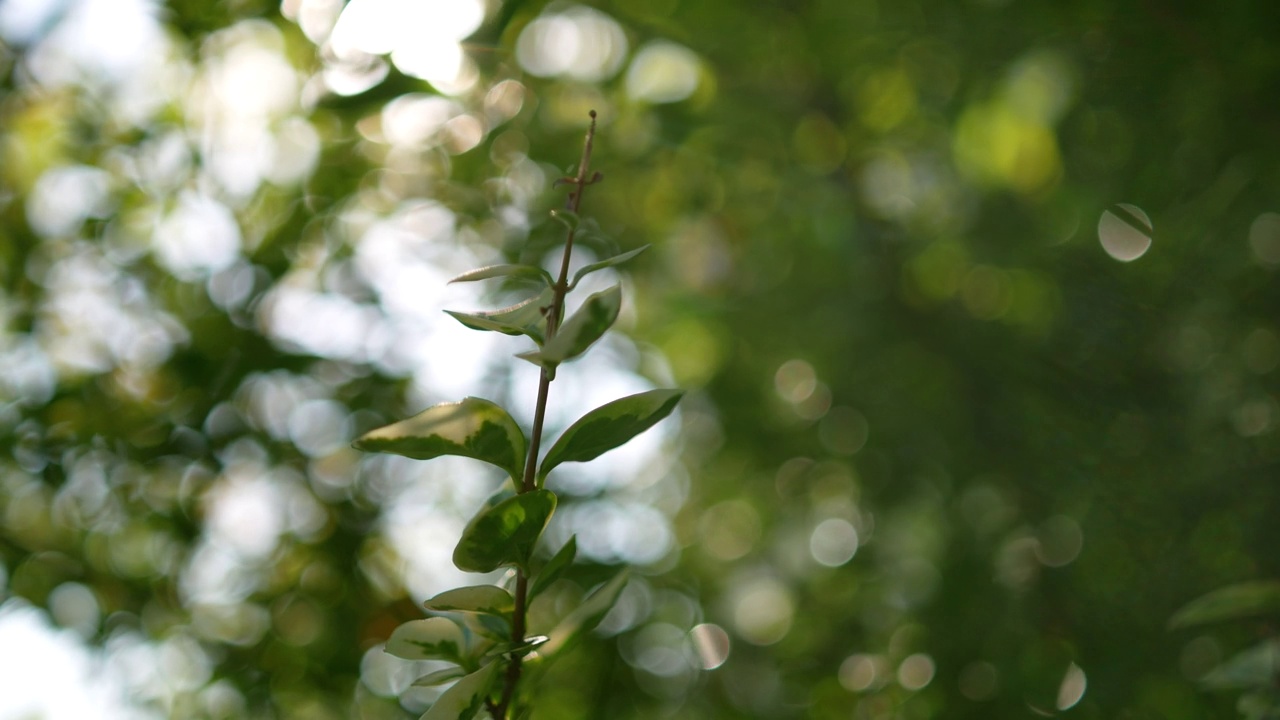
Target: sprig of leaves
481	629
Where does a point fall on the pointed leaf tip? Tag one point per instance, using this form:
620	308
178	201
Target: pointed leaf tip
495	271
473	428
555	567
527	317
609	426
580	331
614	261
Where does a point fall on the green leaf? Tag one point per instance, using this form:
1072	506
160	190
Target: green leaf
505	534
487	599
517	271
586	270
568	218
1255	667
555	567
609	426
586	616
1233	602
440	677
583	328
473	428
465	698
522	648
527	317
434	638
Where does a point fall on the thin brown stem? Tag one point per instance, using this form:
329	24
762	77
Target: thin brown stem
528	481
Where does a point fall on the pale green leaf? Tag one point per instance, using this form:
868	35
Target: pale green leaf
488	599
521	648
614	261
473	428
531	272
609	426
586	616
465	698
583	328
440	677
527	317
505	534
434	638
1243	600
566	217
555	567
1254	667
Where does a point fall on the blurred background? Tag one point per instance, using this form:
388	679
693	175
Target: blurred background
975	303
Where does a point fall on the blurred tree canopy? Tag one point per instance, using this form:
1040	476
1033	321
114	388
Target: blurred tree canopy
975	302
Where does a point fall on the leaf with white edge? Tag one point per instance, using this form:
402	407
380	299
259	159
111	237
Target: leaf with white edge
527	317
473	428
513	648
583	328
434	638
555	567
1234	602
614	261
531	272
487	599
465	698
505	534
440	677
586	616
609	426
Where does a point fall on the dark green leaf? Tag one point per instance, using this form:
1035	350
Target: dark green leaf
609	426
505	534
527	317
586	270
434	638
1233	602
488	599
583	328
465	698
473	428
586	616
555	567
531	272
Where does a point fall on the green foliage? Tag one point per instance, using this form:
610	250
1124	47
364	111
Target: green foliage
976	305
506	531
614	261
555	567
527	317
505	271
1234	602
609	426
583	328
473	428
505	534
466	697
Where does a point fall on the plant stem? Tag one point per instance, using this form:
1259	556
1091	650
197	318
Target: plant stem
529	481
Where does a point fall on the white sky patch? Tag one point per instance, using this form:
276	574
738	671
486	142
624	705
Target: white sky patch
421	36
55	676
200	236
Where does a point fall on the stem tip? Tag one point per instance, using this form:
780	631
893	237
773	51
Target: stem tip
592	114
